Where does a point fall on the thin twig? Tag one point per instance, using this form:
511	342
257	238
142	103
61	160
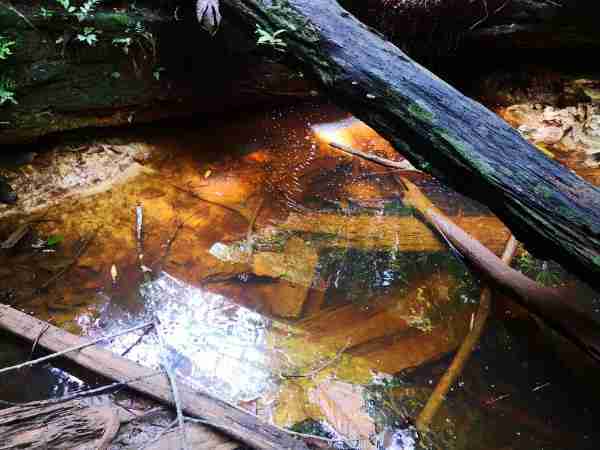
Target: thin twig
19	13
88	392
171	377
135	417
37	339
138	340
202	199
497	399
22	230
168	245
321	367
16	236
249	243
487	14
139	231
161	434
464	352
405	165
72	349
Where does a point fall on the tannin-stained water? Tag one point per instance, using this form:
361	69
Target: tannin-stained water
288	278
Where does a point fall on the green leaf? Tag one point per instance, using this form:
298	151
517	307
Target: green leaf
54	239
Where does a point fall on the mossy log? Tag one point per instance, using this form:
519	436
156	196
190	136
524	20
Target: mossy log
438	129
63	83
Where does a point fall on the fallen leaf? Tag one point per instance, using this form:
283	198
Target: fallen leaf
342	405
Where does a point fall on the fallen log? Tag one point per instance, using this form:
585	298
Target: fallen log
438	129
71	425
75	85
219	414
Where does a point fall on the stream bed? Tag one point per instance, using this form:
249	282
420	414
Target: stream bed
289	279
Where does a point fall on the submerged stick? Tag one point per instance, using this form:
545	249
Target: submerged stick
405	165
249	233
464	352
555	306
71	349
139	231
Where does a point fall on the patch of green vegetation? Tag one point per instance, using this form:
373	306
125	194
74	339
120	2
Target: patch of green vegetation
54	239
270	39
546	273
465	150
6	46
421	112
7	91
7	86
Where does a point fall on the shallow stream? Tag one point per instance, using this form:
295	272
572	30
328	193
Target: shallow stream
288	278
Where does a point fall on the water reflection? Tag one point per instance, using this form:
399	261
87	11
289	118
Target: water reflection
210	340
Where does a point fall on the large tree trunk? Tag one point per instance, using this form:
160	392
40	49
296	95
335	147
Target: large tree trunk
62	83
438	129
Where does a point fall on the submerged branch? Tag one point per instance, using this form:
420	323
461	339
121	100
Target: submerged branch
464	352
554	306
405	165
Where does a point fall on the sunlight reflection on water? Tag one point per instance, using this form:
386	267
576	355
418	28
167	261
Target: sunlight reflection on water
210	340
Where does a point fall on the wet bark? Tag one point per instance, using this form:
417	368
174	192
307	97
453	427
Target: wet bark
49	424
62	83
438	129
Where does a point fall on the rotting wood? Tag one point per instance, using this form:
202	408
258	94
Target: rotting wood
71	425
221	415
439	130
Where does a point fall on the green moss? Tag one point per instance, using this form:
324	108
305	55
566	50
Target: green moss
466	150
113	21
421	112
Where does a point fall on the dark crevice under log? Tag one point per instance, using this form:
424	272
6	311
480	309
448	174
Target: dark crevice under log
438	129
434	29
